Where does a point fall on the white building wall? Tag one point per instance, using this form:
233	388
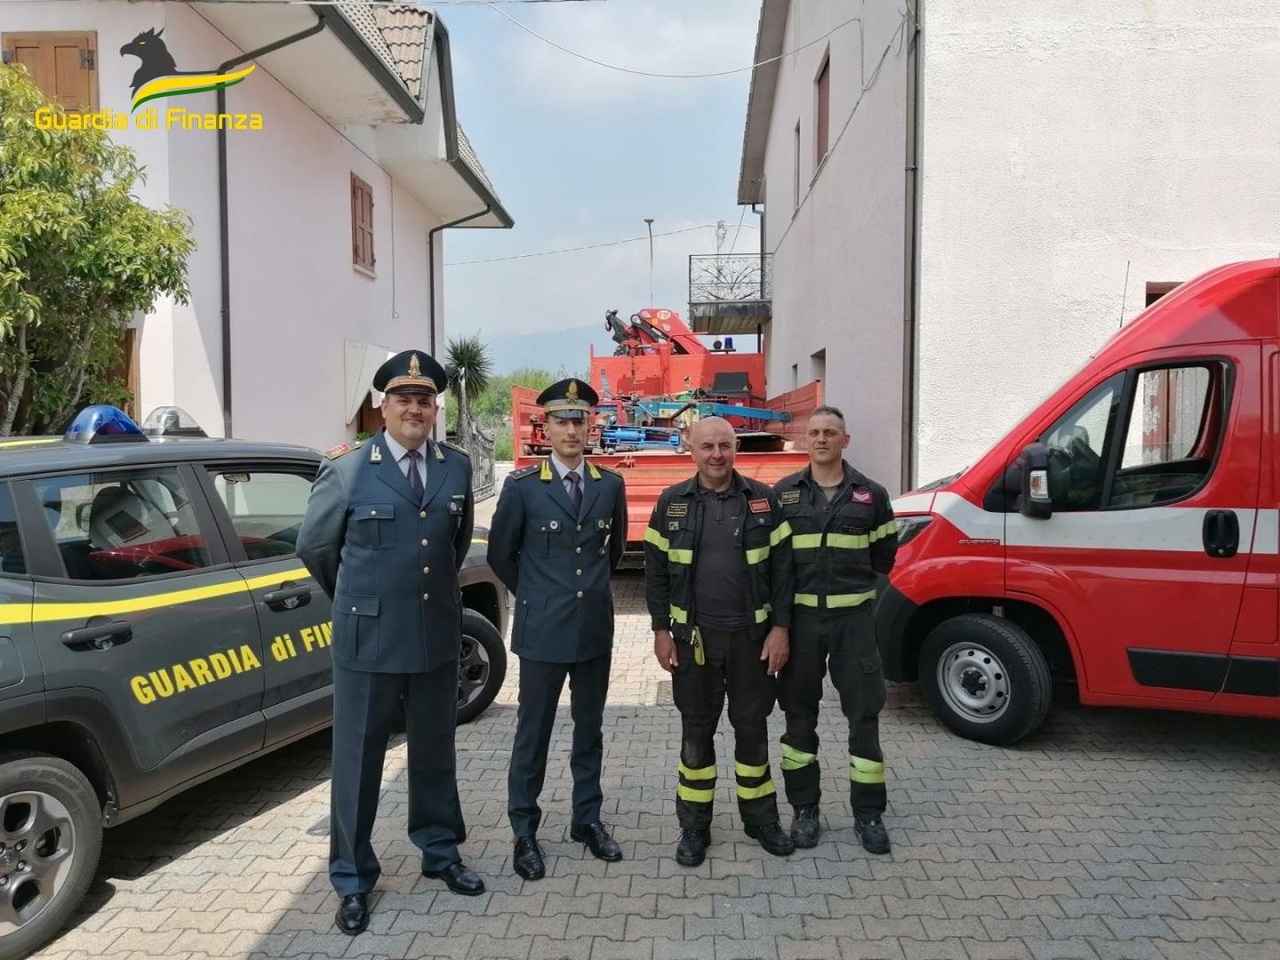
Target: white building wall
839	256
1065	145
296	299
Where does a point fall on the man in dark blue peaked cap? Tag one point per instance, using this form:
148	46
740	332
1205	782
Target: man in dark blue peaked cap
557	534
386	531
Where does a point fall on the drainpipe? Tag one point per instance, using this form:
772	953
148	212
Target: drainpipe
911	260
223	205
759	326
431	268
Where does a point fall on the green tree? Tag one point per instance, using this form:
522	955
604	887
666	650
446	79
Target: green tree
79	257
467	361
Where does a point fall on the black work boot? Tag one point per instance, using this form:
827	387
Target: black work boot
692	849
773	839
804	826
874	837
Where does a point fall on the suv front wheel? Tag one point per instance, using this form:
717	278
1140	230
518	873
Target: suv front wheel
50	841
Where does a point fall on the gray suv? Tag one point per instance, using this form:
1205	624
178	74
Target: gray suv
157	629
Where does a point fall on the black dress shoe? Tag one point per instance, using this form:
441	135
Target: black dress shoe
773	839
598	841
353	914
528	859
459	879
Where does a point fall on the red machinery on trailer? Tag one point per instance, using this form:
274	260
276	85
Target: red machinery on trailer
660	380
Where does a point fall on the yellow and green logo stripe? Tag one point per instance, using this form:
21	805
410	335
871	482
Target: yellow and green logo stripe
177	85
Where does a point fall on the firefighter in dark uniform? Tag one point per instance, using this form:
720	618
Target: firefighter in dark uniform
718	589
558	532
843	534
385	533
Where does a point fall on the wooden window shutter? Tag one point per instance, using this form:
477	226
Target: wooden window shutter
362	254
64	64
823	84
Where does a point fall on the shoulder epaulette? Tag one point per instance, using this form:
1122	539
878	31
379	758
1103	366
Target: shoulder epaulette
333	453
453	446
525	471
616	472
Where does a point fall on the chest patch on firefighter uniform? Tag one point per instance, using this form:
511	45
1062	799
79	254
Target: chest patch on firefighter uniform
677	509
789	497
861	496
673	524
758	506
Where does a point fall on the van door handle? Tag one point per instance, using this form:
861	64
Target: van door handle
287	596
1221	533
99	636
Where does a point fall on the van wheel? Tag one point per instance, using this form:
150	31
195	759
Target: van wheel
50	841
482	666
985	678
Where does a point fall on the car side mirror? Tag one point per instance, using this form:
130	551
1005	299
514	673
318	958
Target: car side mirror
1035	500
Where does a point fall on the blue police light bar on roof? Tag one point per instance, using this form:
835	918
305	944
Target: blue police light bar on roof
103	423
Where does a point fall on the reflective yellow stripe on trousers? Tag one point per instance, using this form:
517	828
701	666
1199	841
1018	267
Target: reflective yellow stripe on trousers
834	600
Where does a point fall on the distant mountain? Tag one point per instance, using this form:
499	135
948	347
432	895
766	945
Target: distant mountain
567	350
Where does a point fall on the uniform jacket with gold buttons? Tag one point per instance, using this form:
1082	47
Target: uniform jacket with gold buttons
389	562
559	562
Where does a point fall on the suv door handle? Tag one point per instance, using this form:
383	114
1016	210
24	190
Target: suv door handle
1221	533
99	636
287	597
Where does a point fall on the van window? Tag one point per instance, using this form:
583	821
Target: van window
1175	422
1077	444
1172	419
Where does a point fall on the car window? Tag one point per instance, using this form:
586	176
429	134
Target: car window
124	524
12	559
266	508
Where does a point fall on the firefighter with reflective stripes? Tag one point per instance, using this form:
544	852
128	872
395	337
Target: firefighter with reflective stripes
843	535
718	586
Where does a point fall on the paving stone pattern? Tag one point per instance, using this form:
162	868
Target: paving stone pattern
1110	834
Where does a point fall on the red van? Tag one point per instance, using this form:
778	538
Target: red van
1124	536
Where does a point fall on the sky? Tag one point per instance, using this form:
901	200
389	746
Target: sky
580	154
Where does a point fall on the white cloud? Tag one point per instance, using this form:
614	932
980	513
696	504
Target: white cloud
658	36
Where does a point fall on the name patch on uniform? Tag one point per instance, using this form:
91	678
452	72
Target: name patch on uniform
677	509
758	506
789	496
860	496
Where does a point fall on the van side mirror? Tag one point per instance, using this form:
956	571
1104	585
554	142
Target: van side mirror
1034	500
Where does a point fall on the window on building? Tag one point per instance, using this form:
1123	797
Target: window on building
796	202
64	64
1157	290
822	90
818	365
362	225
795	375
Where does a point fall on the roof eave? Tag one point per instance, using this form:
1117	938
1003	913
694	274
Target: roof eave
384	73
452	155
764	85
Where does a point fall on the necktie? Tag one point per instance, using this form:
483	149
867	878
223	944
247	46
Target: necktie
575	490
415	478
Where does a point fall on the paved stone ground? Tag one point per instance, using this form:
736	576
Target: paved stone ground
1110	834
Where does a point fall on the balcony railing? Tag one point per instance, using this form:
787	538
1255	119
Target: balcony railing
730	292
730	277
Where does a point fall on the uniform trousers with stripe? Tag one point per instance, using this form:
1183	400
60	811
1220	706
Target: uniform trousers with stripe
846	640
732	669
